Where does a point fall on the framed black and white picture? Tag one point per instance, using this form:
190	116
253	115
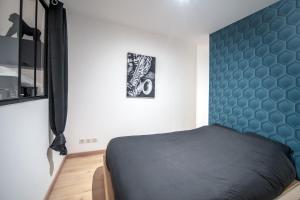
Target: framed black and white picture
140	75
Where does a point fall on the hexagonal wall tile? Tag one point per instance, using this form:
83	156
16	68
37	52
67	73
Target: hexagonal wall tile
255	42
261	72
268	82
286	8
277	23
262	29
276	117
237	75
285	131
223	117
238	37
232	48
248	93
285	106
268	127
261	93
262	50
254	103
243	45
223	100
236	111
224	68
286	57
298	4
237	92
238	55
293	120
298	134
285	82
232	84
242	102
242	122
268	105
227	75
254	124
298	29
254	83
249	53
243	64
248	113
298	107
223	84
227	92
294	43
277	70
294	95
249	73
269	15
270	37
277	47
255	20
227	110
243	83
287	32
293	18
294	69
269	60
261	115
232	101
212	117
249	33
232	119
276	94
233	66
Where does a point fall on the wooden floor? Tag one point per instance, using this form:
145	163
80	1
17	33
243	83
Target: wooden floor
81	178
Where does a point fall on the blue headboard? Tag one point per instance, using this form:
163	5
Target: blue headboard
255	75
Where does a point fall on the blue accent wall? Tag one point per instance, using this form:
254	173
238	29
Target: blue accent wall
255	75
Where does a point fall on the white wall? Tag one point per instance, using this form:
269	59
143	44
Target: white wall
27	166
98	107
202	81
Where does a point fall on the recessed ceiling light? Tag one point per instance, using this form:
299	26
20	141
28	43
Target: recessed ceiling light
183	1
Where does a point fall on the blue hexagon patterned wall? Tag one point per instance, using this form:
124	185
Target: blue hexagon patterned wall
255	75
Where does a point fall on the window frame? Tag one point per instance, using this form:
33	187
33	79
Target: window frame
21	99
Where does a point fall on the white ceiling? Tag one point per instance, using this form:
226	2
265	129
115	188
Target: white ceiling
188	19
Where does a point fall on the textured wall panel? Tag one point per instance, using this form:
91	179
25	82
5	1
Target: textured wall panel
255	75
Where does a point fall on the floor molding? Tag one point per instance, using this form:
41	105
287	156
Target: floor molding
55	179
83	154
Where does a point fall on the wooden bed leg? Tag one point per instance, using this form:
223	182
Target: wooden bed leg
109	192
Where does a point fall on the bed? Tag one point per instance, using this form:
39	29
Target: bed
210	162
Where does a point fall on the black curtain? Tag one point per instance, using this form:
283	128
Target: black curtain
58	74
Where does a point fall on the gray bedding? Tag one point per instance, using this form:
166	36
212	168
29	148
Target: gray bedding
208	163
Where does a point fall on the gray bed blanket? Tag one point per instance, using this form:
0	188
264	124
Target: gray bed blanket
208	163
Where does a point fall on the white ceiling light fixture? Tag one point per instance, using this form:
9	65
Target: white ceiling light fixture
183	1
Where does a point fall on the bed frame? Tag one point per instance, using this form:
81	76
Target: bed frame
291	193
109	191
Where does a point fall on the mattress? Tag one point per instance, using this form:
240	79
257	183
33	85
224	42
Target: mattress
207	163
